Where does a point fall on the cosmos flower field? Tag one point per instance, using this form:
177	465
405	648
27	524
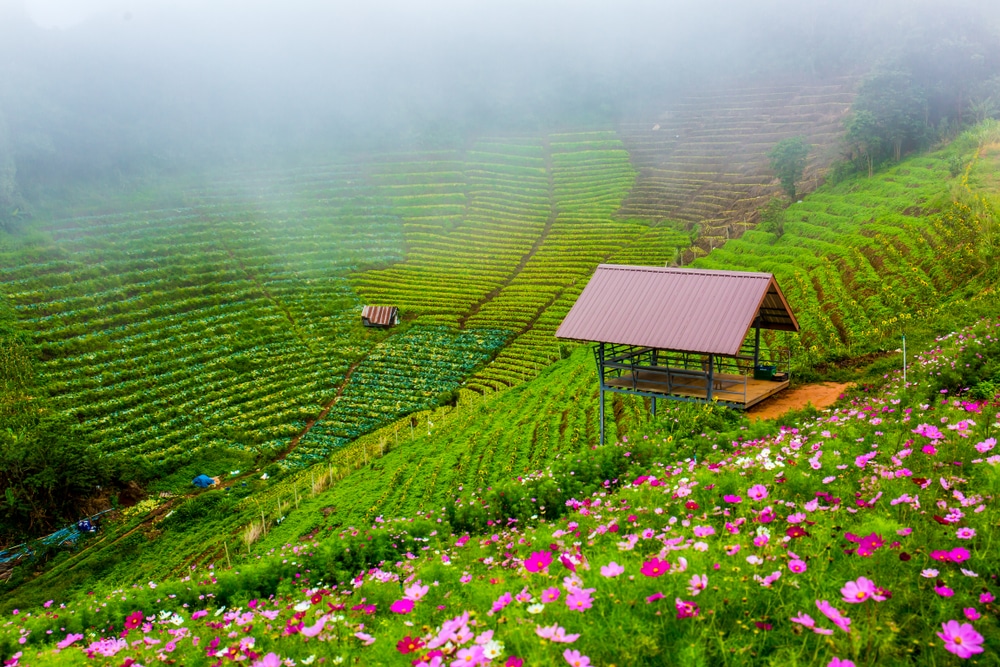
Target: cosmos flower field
859	535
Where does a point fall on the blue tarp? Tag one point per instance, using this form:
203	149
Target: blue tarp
204	481
69	534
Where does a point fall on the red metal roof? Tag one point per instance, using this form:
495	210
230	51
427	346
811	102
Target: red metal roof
690	310
381	316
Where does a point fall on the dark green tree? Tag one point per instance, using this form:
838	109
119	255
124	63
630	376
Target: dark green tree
788	161
888	119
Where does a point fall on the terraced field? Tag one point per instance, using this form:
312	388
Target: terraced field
704	160
860	260
226	322
539	217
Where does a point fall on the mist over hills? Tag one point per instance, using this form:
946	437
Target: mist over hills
151	86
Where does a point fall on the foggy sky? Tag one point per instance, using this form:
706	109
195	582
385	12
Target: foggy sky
92	80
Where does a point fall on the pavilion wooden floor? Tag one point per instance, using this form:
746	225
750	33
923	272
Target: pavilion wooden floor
726	387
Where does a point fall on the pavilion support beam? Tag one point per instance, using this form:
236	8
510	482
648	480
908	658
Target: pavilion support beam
602	413
711	375
756	344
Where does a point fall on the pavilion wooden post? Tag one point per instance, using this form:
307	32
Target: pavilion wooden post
653	398
711	375
600	378
756	343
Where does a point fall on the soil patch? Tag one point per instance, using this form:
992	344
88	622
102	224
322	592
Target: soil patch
821	395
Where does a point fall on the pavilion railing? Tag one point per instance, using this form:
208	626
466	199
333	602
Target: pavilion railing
651	371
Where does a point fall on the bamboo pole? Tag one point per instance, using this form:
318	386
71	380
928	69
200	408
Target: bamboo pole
229	563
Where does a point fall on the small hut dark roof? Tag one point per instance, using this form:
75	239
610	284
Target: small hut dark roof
379	316
690	310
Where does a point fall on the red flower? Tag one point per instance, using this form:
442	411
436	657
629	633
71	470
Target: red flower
409	644
133	620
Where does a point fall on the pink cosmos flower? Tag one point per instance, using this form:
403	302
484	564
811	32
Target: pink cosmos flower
972	613
797	566
986	445
804	620
550	594
555	633
269	660
855	592
655	567
314	629
611	570
837	662
403	606
499	605
575	658
986	598
685	609
965	533
944	591
962	640
654	597
70	639
514	661
579	600
757	492
835	615
698	583
415	592
729	498
538	561
470	656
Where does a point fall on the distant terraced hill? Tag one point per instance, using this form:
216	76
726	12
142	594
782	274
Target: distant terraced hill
703	161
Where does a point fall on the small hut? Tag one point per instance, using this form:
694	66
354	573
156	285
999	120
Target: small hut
682	334
381	317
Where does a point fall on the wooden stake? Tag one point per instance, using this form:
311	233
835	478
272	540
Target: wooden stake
228	562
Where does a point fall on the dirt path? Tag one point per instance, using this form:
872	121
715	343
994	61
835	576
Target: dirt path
820	395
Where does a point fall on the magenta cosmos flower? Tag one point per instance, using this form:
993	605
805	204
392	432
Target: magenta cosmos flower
732	499
538	561
962	640
838	662
685	609
403	606
797	566
654	567
757	492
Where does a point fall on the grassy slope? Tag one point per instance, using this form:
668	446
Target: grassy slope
856	471
477	444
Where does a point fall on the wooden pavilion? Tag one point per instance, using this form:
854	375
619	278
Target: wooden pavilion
682	334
